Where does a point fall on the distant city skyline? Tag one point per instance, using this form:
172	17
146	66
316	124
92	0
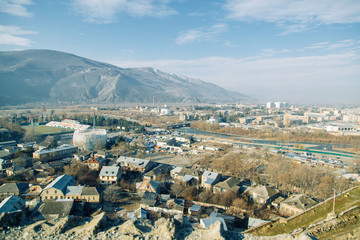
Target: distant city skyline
296	51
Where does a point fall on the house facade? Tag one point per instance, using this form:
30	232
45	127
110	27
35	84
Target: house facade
209	179
262	195
296	204
57	188
135	164
110	175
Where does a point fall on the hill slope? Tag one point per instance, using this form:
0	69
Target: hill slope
46	75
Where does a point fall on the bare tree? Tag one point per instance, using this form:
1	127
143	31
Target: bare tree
112	194
177	189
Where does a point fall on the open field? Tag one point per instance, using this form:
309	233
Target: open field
177	160
43	130
319	213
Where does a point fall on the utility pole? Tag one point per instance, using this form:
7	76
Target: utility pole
334	202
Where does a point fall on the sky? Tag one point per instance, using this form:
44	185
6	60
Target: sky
300	51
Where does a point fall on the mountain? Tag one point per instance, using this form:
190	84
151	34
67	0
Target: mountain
46	75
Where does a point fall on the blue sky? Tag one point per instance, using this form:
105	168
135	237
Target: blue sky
300	51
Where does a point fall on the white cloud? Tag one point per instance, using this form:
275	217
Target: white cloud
313	78
105	11
200	35
348	44
295	16
9	35
15	7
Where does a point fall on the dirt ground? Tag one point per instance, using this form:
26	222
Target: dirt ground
177	160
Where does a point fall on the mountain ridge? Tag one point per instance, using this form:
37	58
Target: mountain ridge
49	75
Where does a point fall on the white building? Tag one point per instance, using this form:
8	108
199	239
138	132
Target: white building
110	175
270	105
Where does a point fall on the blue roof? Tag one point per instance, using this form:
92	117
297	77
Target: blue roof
74	190
61	182
187	178
210	181
210	221
12	204
195	208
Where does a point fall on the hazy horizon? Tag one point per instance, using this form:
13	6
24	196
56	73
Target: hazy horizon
301	52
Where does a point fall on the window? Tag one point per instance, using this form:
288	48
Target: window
55	191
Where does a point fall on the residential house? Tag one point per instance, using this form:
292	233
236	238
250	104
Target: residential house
15	170
207	222
93	164
296	204
57	188
177	206
102	154
179	173
159	173
56	209
41	167
262	195
174	173
73	192
209	179
12	204
82	155
137	214
34	190
91	194
149	199
23	161
110	175
4	164
135	164
195	210
149	186
229	220
231	184
18	189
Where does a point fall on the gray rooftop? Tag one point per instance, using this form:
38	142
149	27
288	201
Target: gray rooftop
89	191
74	190
132	161
12	204
14	188
61	183
57	208
212	175
60	148
111	171
210	221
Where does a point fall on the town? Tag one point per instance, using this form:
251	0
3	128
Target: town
240	167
